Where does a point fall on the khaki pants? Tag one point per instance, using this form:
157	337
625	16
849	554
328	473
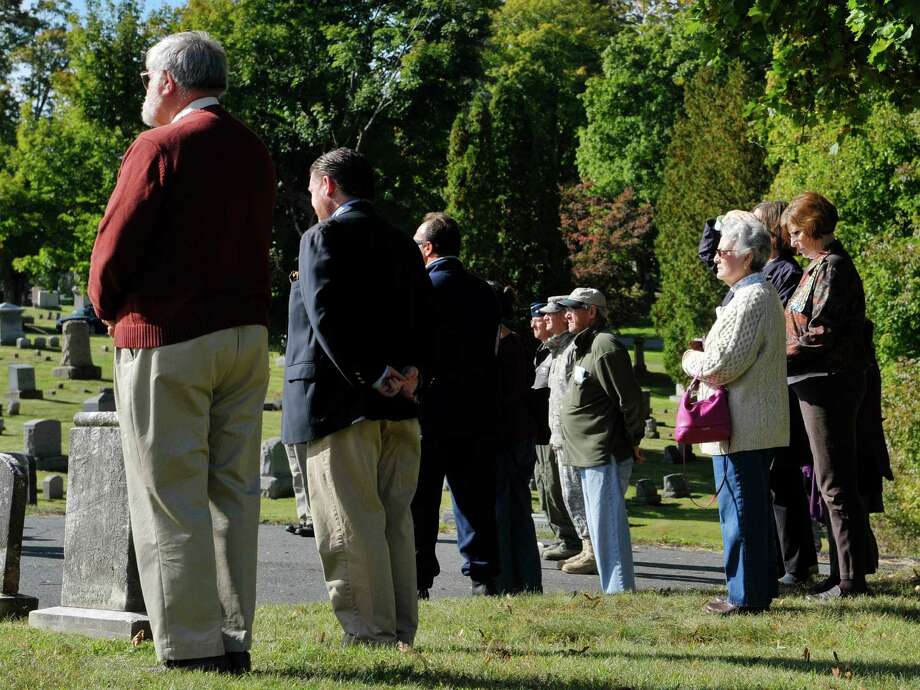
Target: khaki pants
362	479
297	460
191	426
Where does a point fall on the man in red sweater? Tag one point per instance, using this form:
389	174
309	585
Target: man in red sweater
180	273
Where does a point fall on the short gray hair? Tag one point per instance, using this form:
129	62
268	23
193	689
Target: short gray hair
747	235
194	59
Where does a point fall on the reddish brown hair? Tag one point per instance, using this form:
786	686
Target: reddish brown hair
810	213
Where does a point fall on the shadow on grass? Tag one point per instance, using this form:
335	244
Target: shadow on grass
659	383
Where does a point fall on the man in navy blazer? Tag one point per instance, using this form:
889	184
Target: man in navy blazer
356	343
459	408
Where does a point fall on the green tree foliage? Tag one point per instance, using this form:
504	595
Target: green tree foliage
515	144
611	247
821	56
712	167
902	429
632	106
872	174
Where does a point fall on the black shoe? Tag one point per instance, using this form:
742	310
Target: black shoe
485	588
301	529
210	664
423	595
238	663
824	585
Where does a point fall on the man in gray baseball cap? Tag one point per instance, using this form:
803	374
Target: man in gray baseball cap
584	297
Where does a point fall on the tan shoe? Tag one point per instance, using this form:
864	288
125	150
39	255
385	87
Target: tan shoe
586	565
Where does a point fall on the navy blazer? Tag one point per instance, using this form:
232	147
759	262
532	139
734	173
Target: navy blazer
460	396
357	305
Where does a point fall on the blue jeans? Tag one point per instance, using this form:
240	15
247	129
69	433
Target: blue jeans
518	556
746	518
604	488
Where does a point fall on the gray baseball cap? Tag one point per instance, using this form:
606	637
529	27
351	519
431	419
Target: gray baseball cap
584	297
553	306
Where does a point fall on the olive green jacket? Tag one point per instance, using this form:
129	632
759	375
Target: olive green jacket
602	408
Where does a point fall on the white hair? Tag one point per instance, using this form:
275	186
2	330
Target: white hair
194	59
747	235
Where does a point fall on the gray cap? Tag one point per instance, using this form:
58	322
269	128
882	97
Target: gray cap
553	306
583	297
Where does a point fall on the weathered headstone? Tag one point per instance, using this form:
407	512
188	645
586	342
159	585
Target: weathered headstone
54	342
639	366
76	358
33	295
651	428
647	493
10	323
22	383
675	486
53	487
42	441
13	489
12	408
23	343
104	402
48	299
78	299
674	454
39	343
100	593
276	477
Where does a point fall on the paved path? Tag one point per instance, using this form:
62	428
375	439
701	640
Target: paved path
289	569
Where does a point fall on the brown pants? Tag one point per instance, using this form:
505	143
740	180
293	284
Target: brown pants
191	426
361	481
829	407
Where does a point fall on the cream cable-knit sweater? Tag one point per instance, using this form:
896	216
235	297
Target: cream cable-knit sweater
745	351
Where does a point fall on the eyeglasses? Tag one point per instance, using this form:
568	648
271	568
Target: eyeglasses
145	79
722	253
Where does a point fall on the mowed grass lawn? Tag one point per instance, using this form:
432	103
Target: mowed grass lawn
646	640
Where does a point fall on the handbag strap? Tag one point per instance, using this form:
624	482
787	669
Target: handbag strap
715	495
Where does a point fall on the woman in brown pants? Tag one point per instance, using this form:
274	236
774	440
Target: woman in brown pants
826	360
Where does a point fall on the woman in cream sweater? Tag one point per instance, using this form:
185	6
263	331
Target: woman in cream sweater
745	351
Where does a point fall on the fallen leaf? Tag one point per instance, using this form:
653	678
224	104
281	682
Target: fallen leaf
835	672
138	639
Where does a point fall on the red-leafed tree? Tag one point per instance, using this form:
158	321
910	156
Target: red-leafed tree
612	248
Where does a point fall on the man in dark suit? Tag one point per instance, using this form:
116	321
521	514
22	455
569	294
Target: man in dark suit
459	408
349	390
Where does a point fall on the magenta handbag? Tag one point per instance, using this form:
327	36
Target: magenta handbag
703	421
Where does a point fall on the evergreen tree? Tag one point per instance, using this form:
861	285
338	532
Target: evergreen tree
713	166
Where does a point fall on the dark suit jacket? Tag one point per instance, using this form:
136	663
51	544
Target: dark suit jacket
461	392
359	304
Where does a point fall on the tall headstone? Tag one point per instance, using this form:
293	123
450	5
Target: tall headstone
100	594
42	441
276	477
22	383
33	295
76	358
104	402
639	366
10	323
13	489
78	299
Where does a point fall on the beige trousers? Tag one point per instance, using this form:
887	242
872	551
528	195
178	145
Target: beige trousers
191	426
297	460
362	479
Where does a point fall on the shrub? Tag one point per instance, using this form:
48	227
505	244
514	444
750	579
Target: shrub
902	429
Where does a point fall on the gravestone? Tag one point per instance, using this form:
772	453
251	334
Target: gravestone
53	487
10	323
675	486
54	342
78	299
100	592
651	428
76	358
13	489
647	493
639	367
23	343
674	454
22	383
276	480
104	402
48	299
12	408
678	392
39	343
33	295
42	441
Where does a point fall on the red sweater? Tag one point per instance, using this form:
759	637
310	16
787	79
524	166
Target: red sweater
182	250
